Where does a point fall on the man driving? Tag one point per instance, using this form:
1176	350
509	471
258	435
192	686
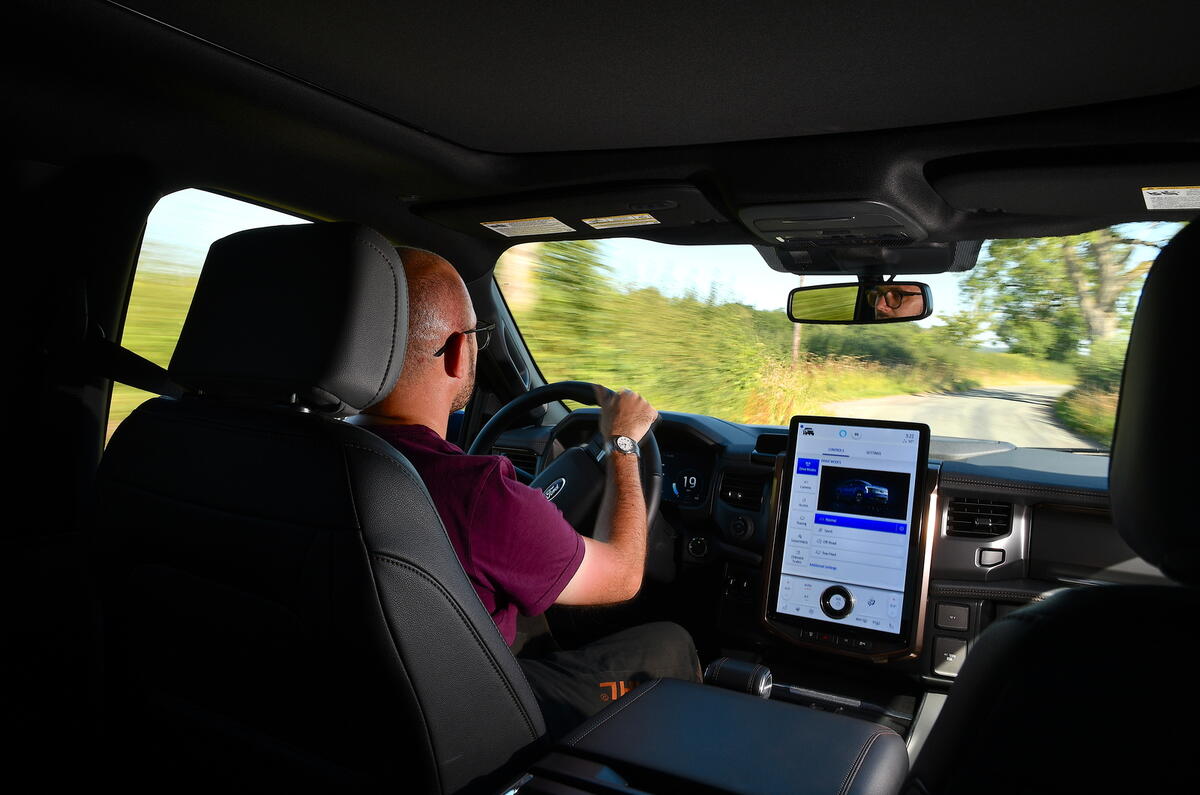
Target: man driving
518	551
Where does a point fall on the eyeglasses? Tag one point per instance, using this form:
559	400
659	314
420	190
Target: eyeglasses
892	296
483	335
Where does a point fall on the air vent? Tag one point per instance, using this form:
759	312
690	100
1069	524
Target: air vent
771	443
743	490
521	458
972	518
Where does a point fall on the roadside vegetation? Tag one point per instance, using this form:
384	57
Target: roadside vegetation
695	353
1069	299
1090	409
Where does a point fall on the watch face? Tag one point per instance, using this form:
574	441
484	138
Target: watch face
625	444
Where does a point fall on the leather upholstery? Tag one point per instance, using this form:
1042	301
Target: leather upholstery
693	737
318	311
282	600
1150	479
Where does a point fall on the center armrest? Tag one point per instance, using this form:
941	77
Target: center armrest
669	733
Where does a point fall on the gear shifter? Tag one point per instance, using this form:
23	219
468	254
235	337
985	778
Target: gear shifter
739	675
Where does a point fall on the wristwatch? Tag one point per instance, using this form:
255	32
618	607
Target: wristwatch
623	444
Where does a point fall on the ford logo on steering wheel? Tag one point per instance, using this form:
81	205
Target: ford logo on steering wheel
554	489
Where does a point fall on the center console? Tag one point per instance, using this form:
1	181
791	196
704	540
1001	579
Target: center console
844	575
672	736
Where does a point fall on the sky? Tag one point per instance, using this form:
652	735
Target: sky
188	221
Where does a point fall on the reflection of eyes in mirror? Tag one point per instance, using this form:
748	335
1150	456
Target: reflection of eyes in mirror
825	304
896	300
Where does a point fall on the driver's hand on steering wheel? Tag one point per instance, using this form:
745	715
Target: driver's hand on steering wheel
626	413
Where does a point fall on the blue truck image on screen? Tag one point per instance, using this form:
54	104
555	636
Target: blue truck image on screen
866	492
862	491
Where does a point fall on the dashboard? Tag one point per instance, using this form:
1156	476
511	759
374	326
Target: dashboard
1007	525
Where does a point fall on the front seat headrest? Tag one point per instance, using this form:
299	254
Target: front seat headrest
1151	473
308	314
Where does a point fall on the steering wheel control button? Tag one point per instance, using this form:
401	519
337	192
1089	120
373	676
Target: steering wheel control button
991	557
948	655
554	489
956	617
837	602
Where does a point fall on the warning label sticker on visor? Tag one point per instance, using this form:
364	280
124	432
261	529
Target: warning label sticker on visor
1177	198
523	227
617	221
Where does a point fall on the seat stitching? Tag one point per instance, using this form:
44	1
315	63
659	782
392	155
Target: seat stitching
621	706
417	481
854	768
429	737
468	624
395	321
717	672
955	480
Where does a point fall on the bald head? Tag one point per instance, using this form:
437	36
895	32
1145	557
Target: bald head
439	309
438	306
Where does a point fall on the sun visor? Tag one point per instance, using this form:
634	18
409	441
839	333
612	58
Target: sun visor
1099	184
651	211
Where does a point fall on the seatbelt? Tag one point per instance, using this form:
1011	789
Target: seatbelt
73	344
122	365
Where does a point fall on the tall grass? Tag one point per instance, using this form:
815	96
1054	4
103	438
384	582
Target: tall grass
1090	413
1091	408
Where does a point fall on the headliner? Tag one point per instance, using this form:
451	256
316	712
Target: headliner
509	77
92	82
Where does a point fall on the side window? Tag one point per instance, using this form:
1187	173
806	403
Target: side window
178	233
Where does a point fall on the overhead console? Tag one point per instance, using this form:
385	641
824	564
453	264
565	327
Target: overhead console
844	223
645	210
850	238
847	562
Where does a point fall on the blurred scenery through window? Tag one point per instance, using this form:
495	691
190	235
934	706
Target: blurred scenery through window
179	231
1027	348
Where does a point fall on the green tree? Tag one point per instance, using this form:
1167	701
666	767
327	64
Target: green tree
1046	295
961	328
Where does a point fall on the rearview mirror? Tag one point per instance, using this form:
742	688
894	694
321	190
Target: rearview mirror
883	302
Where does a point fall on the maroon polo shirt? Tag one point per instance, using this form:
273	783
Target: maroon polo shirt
516	547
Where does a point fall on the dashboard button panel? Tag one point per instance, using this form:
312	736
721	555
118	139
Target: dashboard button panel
953	616
948	655
991	557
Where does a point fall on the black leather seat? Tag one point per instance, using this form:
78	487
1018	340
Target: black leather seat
281	600
1092	690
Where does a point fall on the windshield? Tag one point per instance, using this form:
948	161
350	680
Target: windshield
1026	348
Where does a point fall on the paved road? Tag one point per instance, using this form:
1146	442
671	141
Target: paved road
1022	414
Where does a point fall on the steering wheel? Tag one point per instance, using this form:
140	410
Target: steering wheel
574	481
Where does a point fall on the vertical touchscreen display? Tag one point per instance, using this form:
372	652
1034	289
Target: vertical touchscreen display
848	524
